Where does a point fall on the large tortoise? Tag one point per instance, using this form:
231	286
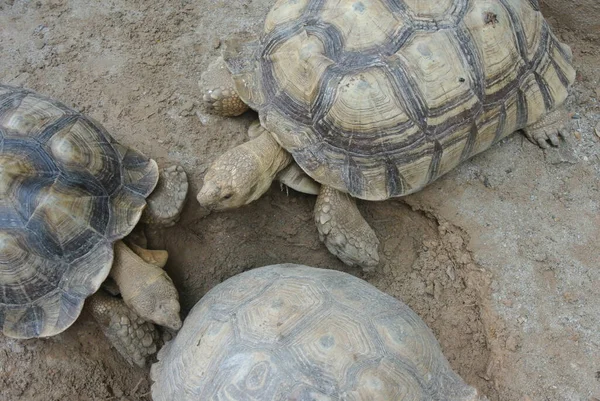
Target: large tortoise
292	332
68	194
378	98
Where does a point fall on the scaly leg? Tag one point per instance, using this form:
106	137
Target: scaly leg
166	202
343	229
134	338
220	95
292	176
547	131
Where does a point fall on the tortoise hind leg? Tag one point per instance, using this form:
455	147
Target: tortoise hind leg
547	131
344	231
134	338
220	95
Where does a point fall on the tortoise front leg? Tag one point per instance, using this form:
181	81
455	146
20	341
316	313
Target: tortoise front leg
220	95
344	231
165	203
548	130
134	338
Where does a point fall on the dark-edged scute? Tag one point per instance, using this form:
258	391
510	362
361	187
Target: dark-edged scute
422	84
343	339
363	24
66	194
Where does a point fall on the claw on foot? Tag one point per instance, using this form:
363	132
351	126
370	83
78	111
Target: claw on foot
548	130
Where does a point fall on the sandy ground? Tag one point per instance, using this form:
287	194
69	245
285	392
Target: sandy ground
500	257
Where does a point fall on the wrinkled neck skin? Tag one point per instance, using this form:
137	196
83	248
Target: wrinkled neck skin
243	174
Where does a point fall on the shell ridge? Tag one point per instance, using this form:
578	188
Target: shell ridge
313	8
10	100
516	29
545	90
434	165
64	122
408	94
475	64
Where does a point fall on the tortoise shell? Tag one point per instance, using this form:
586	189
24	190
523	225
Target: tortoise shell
68	190
292	332
378	98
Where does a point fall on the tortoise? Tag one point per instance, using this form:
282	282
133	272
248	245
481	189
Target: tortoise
69	194
294	332
376	99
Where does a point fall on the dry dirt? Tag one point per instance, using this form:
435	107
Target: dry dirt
500	257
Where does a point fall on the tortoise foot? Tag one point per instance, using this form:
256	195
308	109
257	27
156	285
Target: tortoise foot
549	129
166	201
220	96
344	231
224	101
134	338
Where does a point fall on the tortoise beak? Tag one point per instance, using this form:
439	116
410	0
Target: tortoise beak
209	195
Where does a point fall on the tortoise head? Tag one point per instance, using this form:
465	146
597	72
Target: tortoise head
242	174
230	182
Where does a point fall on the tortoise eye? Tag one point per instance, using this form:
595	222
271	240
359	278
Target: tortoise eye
227	195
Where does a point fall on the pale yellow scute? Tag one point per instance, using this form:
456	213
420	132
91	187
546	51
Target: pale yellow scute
298	65
363	24
536	108
13	170
81	147
290	134
31	117
531	21
16	264
439	70
489	25
487	126
430	9
453	145
415	172
365	103
565	65
67	212
284	11
387	382
336	341
555	87
511	105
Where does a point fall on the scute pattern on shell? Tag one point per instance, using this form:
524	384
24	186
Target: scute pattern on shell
292	332
68	190
378	98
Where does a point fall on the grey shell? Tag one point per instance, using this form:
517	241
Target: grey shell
292	332
68	190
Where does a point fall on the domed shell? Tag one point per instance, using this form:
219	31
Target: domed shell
292	332
378	98
68	190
